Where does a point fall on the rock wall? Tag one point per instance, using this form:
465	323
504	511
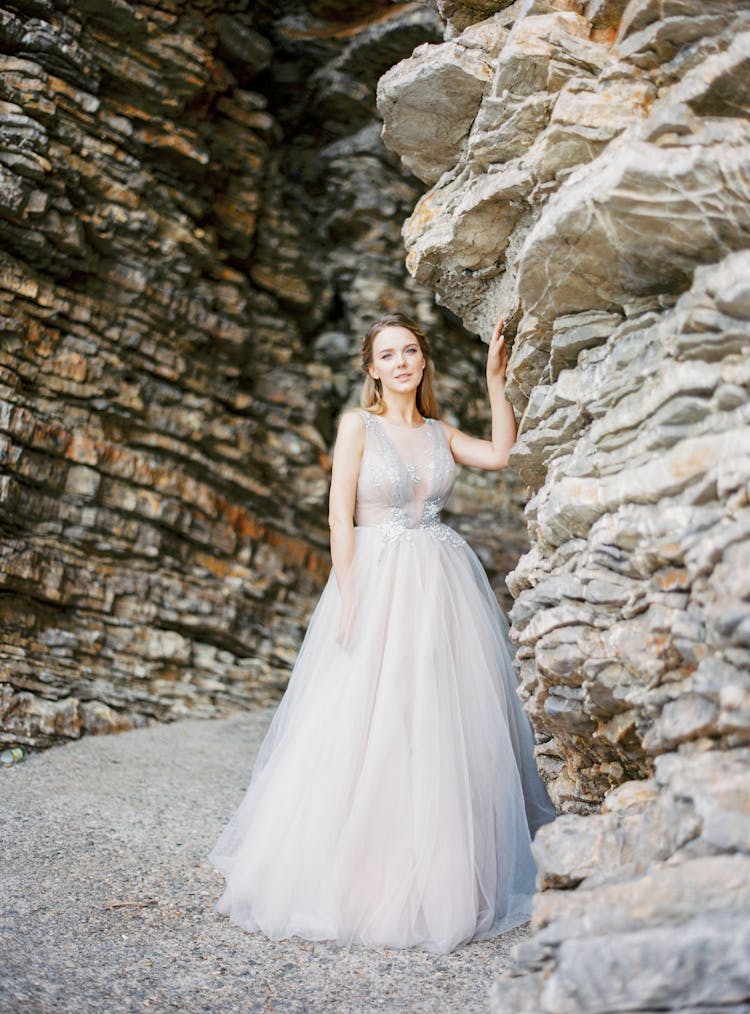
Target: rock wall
197	218
590	179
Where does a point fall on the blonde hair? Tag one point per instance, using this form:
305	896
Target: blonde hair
372	391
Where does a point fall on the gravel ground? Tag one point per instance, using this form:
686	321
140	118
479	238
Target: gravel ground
106	895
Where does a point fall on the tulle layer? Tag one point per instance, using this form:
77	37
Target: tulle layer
394	797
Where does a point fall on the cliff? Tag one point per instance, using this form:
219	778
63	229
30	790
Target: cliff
589	180
197	219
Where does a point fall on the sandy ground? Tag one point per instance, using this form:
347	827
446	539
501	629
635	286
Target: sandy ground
106	895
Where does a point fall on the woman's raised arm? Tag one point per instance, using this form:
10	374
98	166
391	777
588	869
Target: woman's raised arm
489	454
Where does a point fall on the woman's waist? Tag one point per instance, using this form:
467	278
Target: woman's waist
416	515
400	528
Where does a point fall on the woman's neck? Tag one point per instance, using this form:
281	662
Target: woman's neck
402	411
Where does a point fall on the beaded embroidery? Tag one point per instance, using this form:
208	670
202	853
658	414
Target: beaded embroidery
395	482
411	468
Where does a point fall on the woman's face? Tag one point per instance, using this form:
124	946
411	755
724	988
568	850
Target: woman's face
397	360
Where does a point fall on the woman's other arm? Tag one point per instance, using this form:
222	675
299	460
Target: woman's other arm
489	454
347	455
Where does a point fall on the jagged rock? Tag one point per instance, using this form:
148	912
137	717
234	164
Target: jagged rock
668	856
429	103
460	14
621	202
605	14
599	203
542	113
241	45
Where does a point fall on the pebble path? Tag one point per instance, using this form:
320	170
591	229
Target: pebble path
106	894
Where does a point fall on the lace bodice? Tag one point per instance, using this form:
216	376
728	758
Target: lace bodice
405	478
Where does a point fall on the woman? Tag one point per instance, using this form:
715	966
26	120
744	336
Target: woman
395	795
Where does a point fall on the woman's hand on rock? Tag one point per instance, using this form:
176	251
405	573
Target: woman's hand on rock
497	354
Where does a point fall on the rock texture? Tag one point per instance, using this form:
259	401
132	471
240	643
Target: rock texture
197	217
593	187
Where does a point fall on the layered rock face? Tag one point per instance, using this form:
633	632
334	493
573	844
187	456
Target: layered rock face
198	217
590	181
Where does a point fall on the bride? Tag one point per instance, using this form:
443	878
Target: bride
395	795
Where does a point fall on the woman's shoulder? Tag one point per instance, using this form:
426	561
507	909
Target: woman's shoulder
352	426
357	420
448	432
352	419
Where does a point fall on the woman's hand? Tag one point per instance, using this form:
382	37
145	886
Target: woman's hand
497	355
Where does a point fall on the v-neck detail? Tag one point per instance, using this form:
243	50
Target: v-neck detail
403	479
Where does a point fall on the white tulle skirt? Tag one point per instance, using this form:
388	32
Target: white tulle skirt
395	795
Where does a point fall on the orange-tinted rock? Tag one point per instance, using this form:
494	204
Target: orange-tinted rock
191	202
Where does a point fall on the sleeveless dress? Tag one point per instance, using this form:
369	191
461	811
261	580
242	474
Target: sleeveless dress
395	795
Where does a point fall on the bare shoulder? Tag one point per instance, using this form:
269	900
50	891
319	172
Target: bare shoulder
447	429
350	436
351	422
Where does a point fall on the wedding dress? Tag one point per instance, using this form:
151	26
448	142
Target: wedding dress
395	795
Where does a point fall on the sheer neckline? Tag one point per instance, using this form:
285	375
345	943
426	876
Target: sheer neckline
398	426
394	444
